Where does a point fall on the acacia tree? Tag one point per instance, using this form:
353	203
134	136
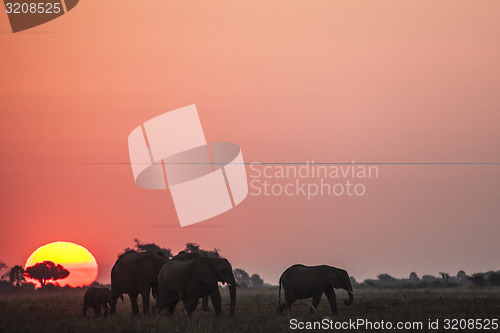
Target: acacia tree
45	271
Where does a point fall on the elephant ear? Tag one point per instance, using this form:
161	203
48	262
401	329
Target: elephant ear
203	271
339	278
223	270
330	276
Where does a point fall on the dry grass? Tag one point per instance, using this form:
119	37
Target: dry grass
255	311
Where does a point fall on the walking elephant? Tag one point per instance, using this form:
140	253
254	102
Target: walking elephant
301	282
183	255
97	298
191	279
136	273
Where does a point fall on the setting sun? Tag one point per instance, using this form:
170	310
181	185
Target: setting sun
80	263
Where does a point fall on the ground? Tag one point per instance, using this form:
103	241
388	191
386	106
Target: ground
61	311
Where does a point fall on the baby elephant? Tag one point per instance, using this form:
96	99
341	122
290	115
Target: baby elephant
97	298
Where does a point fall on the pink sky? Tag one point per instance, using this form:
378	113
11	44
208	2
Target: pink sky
288	81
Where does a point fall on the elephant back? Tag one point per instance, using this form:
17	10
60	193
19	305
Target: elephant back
174	274
134	271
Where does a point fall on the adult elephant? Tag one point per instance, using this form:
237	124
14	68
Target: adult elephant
300	281
191	279
136	273
183	255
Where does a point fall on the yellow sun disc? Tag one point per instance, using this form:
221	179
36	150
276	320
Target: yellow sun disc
80	263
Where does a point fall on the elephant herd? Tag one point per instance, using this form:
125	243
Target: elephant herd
187	277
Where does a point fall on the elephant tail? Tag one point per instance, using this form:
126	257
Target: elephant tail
279	293
121	296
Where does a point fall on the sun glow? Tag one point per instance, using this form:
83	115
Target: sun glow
78	260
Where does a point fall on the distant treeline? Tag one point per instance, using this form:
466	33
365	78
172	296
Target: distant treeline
491	278
48	273
13	278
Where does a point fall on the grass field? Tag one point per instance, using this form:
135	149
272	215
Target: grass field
60	311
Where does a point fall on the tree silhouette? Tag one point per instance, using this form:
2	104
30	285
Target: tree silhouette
429	278
414	277
2	267
16	275
353	281
477	279
445	277
195	248
494	279
461	276
256	281
242	278
386	279
140	247
45	271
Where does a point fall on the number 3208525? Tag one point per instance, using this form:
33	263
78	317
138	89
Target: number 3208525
33	8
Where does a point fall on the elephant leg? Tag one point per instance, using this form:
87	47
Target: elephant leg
285	305
145	302
114	299
204	304
135	307
85	307
315	301
156	293
290	297
106	309
282	308
97	310
190	302
190	306
332	299
216	301
171	308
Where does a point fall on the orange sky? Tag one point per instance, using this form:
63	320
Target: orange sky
289	81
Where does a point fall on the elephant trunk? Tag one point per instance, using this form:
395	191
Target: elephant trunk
232	295
351	298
